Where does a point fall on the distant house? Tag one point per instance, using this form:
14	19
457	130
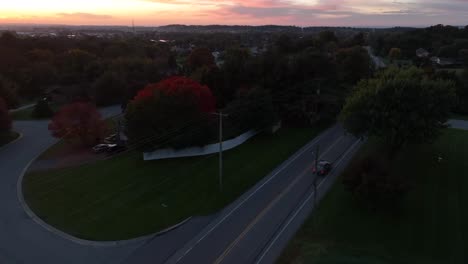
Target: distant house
218	58
422	53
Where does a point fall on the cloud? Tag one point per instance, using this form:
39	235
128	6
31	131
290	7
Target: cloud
83	15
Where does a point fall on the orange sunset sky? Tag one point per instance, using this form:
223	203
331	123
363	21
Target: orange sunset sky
254	12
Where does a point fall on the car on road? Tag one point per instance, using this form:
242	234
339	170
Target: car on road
323	168
100	148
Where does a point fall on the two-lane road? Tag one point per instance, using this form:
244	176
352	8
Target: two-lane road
260	220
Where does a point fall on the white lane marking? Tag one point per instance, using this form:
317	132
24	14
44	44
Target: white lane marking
254	192
300	209
270	205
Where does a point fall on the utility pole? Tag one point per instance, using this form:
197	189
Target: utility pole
220	115
316	176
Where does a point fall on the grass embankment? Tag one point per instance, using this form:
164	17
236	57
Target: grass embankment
27	113
7	137
430	227
126	197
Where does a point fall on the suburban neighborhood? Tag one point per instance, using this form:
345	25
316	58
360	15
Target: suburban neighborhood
215	143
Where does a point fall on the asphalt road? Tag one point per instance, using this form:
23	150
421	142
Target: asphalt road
21	239
458	124
256	227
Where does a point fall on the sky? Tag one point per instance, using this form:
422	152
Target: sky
237	12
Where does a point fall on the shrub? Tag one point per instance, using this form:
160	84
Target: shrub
80	122
42	109
5	119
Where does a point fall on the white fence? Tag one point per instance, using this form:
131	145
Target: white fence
198	151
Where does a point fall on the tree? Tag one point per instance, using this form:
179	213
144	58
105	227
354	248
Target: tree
42	109
394	54
78	122
353	64
8	90
200	57
253	109
167	106
109	88
399	106
5	119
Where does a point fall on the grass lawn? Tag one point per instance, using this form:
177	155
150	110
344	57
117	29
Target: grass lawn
126	197
431	225
25	114
6	138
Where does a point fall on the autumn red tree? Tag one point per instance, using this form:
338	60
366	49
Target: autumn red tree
168	105
78	122
5	119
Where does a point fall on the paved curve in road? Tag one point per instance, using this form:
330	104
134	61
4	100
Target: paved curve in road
259	224
21	239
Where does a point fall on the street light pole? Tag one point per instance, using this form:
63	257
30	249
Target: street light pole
220	115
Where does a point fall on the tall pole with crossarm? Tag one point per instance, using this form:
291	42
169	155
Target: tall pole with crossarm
220	115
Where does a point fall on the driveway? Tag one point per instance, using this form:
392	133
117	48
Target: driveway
21	239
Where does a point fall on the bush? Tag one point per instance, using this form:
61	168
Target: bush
5	119
167	106
80	122
42	109
371	181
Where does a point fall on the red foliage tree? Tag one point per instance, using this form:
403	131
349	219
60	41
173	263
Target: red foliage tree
167	105
178	85
78	121
5	119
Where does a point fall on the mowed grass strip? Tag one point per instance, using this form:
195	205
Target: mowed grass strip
126	197
430	226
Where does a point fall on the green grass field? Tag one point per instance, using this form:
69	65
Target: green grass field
125	197
26	114
431	225
7	137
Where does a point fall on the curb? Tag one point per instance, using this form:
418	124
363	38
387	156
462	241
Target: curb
20	136
84	242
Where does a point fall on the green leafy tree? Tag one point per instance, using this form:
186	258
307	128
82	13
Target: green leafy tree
8	91
200	57
394	54
353	64
253	109
399	106
109	89
42	109
5	119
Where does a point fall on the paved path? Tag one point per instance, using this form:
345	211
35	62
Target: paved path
22	107
458	124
